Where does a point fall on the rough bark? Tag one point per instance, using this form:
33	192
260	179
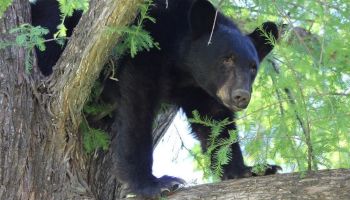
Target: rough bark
40	151
41	154
162	123
17	114
70	85
320	185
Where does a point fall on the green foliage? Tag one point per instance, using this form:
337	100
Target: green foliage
218	152
95	109
202	162
28	37
260	168
93	138
67	8
134	37
4	4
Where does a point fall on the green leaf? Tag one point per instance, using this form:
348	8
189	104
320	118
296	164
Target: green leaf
4	4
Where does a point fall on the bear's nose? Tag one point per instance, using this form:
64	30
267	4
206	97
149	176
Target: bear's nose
241	98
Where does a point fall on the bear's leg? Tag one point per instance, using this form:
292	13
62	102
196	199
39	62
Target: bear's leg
210	107
132	143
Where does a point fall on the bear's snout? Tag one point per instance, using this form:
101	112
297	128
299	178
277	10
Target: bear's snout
240	98
236	100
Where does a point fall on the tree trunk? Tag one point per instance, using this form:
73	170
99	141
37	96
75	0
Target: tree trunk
17	112
41	154
320	185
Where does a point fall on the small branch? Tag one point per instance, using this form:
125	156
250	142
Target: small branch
189	150
345	94
306	130
214	23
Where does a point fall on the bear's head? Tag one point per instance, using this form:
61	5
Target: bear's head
226	68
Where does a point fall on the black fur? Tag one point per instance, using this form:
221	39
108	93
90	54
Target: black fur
214	79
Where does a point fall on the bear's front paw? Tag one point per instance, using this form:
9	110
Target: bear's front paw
170	184
153	188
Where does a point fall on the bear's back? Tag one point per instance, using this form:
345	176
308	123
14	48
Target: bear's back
171	22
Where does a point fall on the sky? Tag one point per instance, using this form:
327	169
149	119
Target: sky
173	160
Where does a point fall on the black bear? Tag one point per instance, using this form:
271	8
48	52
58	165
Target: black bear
215	79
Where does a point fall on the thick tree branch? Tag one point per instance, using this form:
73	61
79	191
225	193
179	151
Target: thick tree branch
72	80
84	57
162	123
69	87
327	184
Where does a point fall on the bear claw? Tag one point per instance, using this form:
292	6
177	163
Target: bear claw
170	184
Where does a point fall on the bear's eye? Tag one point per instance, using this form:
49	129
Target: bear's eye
253	69
229	61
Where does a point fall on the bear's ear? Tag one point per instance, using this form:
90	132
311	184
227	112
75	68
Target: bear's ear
260	37
202	16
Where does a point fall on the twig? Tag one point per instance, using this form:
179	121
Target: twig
189	150
214	23
305	127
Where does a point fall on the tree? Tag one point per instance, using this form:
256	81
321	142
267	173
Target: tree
41	152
